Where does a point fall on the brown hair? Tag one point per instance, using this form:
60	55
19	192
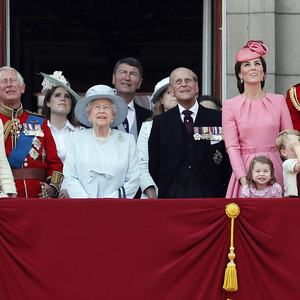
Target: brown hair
263	160
281	139
158	108
237	70
47	112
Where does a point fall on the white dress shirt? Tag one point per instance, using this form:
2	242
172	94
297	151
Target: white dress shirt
193	109
61	139
130	114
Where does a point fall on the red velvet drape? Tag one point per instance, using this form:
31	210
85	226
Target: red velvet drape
147	249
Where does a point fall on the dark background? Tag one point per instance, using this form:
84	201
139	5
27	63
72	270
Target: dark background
85	40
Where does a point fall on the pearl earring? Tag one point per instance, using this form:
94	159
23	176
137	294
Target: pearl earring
242	80
90	120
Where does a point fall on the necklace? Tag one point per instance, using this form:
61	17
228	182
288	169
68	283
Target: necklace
105	140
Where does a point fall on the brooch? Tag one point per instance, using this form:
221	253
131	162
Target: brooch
121	137
43	155
33	154
217	157
36	143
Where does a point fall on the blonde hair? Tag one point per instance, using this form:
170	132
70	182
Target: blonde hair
263	160
282	139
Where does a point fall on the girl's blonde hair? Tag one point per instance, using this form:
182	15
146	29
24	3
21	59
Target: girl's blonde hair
282	139
263	160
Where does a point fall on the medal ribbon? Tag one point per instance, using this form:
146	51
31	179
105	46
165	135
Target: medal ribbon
17	156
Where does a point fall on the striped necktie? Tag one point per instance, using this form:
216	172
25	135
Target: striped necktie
188	120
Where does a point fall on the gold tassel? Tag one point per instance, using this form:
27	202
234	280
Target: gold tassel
230	279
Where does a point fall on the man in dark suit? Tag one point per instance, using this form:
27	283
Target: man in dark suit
187	157
127	79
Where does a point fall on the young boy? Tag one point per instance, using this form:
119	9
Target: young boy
288	146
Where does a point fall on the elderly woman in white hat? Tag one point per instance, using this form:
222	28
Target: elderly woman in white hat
164	100
58	107
101	162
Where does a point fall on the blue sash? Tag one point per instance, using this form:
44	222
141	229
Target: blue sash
17	156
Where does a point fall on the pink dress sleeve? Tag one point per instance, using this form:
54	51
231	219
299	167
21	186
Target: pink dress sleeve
286	120
232	143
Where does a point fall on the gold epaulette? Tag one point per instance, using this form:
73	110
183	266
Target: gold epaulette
34	113
294	98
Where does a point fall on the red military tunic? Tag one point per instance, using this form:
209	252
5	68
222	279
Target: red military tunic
30	149
292	100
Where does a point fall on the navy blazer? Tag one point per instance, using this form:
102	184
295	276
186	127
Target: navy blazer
142	114
166	151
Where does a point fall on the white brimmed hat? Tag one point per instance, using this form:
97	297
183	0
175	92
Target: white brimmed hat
57	79
159	88
101	92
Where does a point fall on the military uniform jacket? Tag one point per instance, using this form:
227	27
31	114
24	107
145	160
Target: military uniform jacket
32	149
292	101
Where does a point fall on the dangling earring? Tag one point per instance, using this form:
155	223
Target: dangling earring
263	79
90	120
242	80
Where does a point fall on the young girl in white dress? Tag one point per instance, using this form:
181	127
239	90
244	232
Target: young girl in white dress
261	181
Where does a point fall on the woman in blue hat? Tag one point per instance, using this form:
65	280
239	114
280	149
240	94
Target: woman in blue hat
101	162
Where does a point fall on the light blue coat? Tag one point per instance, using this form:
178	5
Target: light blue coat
94	170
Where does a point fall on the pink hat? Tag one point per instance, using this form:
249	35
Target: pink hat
252	50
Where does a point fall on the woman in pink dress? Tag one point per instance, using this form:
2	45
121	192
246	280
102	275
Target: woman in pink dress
253	119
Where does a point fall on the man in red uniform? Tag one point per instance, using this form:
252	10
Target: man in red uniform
29	145
292	101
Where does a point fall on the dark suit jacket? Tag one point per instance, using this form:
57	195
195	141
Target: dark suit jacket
142	114
166	151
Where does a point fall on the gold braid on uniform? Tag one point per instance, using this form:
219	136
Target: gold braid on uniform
7	128
294	98
56	181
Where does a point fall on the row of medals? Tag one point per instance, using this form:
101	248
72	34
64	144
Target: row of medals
208	133
29	130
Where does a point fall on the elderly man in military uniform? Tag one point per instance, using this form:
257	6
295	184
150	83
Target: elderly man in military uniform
187	157
29	145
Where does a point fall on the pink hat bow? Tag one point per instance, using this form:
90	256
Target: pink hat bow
252	50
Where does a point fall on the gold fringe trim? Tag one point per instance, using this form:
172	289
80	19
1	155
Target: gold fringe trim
294	98
230	279
7	128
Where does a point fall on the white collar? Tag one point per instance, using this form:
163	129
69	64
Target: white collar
68	125
131	105
193	109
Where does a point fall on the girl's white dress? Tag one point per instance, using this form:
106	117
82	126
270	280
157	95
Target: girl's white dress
272	191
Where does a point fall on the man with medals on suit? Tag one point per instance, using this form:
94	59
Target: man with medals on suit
29	145
187	156
127	79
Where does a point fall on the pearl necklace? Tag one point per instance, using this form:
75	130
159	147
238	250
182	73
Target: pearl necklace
105	140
